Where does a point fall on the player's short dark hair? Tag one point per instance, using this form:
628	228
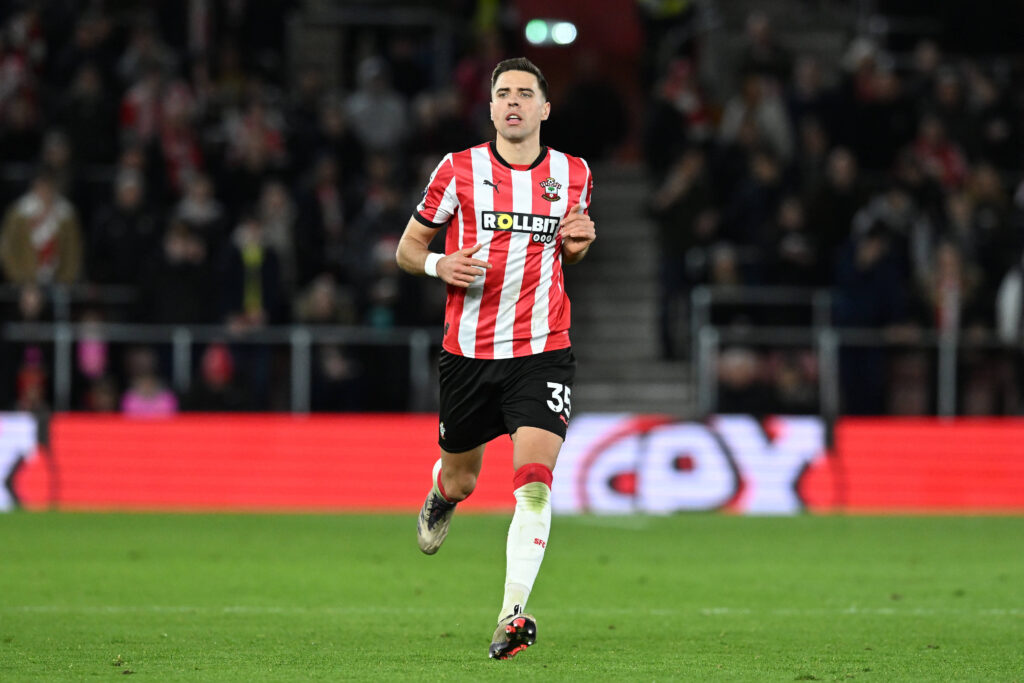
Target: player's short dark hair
520	64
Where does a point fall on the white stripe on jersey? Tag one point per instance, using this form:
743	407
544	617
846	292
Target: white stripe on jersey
539	323
586	184
515	267
483	200
449	199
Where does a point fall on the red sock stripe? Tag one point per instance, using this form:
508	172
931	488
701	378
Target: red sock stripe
533	471
440	487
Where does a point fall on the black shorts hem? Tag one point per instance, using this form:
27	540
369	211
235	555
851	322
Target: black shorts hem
447	447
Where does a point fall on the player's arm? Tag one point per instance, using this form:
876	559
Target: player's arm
458	269
577	232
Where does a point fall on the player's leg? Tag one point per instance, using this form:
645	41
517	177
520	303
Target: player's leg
533	458
469	417
537	408
454	478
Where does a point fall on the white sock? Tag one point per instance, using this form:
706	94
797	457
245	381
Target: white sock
527	539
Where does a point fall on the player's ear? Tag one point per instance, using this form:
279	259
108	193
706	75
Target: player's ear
545	111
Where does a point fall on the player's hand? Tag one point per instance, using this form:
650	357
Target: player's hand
577	232
460	268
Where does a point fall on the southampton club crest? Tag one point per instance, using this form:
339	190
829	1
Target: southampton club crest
551	188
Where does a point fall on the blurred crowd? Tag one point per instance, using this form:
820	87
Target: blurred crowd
170	150
893	179
181	156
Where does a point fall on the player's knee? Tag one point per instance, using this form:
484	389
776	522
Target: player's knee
461	484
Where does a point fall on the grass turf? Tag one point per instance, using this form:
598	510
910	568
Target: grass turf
260	597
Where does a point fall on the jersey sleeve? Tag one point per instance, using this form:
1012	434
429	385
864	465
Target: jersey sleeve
439	200
588	189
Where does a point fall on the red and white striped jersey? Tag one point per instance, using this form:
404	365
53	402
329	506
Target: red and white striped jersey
519	306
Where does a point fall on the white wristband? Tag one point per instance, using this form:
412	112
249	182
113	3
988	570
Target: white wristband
430	265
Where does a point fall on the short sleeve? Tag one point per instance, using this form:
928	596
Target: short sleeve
588	189
439	201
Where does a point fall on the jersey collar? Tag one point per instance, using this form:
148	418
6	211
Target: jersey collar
519	167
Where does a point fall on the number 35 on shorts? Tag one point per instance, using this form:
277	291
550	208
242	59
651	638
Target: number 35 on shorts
559	400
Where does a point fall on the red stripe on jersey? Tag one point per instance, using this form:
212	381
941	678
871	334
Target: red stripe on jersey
434	195
523	329
497	256
559	308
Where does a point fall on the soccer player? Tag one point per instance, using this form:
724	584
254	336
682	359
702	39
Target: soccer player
515	212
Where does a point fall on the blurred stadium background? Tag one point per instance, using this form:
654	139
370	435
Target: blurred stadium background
808	276
807	296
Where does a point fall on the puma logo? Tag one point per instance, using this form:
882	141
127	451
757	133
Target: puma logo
494	185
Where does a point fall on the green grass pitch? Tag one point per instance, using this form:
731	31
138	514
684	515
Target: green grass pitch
349	597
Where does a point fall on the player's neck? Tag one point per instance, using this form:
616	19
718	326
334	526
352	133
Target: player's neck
523	152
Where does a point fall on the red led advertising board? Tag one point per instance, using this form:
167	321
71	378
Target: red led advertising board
609	464
246	462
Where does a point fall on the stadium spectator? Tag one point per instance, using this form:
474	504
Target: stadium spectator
680	207
40	240
321	231
252	288
576	128
125	235
21	133
993	136
102	396
791	253
832	204
277	214
756	199
676	116
337	378
909	232
141	106
255	155
871	293
334	138
806	95
378	113
177	288
89	118
949	105
25	373
993	242
144	54
742	388
146	395
941	158
1010	306
762	53
793	377
811	157
219	389
203	213
438	124
758	103
253	297
178	140
92	44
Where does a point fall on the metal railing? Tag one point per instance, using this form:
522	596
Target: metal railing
823	337
301	339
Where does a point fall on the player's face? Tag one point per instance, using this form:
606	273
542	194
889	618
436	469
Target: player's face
518	105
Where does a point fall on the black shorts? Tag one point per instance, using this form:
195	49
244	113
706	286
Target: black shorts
482	399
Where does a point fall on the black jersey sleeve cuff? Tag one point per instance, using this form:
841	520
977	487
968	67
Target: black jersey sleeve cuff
424	221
